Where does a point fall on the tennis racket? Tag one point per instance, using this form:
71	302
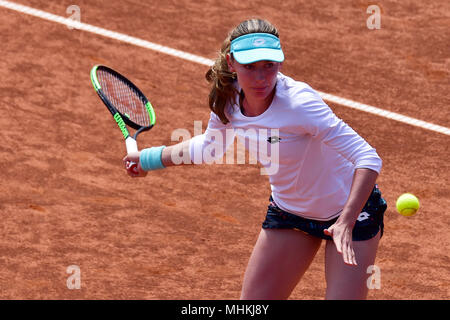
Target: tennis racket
127	104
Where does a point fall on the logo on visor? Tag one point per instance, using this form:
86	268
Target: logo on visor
259	42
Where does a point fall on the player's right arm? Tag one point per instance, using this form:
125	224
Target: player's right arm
171	154
167	157
212	144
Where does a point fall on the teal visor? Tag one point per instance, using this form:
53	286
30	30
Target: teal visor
255	47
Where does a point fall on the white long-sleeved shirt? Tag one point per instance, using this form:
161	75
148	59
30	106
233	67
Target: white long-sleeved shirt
311	154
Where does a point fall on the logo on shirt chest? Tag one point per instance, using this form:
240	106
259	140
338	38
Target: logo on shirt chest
273	139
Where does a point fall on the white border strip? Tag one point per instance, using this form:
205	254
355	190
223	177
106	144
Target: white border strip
385	114
208	62
106	33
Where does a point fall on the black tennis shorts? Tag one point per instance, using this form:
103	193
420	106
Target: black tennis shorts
369	222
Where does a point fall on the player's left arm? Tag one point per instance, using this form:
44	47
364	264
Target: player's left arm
320	121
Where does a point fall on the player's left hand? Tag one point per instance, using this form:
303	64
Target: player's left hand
342	237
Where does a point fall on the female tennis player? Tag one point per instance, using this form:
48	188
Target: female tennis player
324	183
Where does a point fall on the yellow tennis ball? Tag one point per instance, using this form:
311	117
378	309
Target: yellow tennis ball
407	204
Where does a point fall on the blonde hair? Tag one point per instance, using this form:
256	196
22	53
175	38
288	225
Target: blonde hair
219	76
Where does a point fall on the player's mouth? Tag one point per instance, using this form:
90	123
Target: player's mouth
259	89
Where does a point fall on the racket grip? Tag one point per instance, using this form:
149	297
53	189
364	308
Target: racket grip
131	147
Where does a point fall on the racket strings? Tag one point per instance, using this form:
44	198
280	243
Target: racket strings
124	97
131	106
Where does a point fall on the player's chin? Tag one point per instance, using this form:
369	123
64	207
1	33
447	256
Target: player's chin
260	93
263	93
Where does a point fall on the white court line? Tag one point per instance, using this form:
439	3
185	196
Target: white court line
208	62
104	32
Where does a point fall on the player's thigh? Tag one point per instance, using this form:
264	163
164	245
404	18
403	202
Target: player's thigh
279	259
349	282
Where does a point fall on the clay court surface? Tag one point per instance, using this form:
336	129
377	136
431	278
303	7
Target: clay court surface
187	233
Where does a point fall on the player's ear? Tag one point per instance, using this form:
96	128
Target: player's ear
230	63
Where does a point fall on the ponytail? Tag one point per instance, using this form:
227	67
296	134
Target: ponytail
222	83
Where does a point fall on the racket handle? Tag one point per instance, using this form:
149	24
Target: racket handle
132	147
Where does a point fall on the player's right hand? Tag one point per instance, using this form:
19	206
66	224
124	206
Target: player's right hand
133	166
